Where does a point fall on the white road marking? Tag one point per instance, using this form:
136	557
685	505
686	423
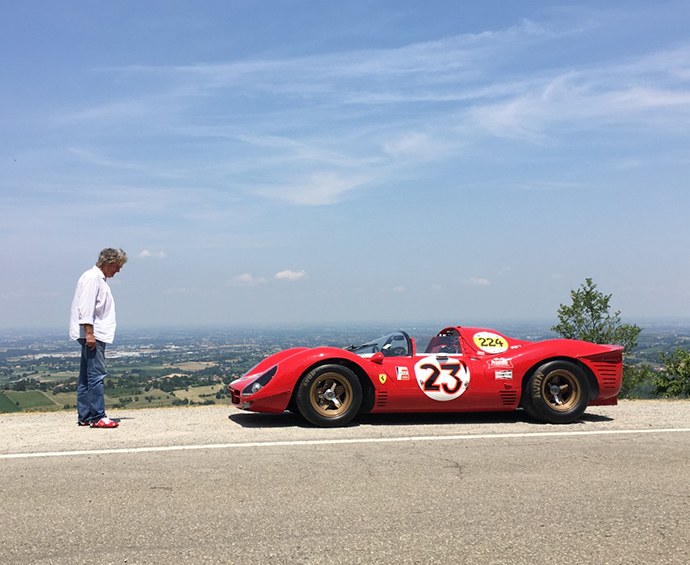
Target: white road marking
337	442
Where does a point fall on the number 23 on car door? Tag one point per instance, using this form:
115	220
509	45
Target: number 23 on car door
436	383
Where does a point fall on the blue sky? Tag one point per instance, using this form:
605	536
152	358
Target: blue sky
301	161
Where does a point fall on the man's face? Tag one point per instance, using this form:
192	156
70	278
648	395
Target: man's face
110	269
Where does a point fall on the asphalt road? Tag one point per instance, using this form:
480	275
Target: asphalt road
213	485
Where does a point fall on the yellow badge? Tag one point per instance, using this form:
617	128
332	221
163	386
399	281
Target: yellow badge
382	377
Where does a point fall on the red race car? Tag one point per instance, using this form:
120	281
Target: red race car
459	370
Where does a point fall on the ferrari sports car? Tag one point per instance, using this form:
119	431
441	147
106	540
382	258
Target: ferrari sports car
459	370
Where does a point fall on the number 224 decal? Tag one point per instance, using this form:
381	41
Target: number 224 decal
442	381
490	342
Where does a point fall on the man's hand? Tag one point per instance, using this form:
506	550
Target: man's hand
90	339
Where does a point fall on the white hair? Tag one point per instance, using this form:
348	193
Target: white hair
111	255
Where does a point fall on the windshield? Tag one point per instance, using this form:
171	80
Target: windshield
444	344
397	344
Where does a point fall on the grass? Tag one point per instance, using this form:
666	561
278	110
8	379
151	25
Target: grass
194	365
60	376
29	399
64	398
132	391
157	396
36	401
6	405
202	393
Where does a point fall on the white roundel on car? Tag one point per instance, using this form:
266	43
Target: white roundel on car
490	342
442	380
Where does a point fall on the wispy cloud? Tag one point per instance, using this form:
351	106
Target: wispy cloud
545	185
247	279
175	291
627	164
108	112
352	120
639	91
332	145
316	190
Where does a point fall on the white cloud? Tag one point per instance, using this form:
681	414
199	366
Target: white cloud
247	279
146	254
290	275
478	282
399	289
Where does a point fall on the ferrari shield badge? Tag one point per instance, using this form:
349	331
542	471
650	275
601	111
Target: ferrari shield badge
382	377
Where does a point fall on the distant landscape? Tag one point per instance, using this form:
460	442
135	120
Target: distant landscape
187	367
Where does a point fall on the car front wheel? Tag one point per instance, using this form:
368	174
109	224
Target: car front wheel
329	396
557	393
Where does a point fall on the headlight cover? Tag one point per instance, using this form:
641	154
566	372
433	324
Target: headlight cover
260	382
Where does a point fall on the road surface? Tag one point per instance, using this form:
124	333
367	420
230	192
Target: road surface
215	485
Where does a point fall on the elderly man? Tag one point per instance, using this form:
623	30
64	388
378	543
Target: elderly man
92	324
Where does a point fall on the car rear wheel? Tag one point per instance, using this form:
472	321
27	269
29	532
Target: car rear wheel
329	396
557	393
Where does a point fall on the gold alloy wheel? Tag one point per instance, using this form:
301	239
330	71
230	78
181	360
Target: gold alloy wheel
561	390
331	395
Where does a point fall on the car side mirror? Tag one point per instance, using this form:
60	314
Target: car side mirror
377	358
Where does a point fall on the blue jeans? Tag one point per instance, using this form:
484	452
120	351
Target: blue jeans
90	399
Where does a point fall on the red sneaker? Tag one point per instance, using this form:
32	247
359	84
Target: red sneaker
105	423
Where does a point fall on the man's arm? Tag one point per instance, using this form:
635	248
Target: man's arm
86	308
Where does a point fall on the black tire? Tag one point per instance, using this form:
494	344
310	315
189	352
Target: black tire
329	396
556	393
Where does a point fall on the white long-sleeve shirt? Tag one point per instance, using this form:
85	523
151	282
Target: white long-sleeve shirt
93	304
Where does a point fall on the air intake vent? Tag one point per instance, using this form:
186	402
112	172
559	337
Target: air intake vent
381	398
610	374
508	397
608	383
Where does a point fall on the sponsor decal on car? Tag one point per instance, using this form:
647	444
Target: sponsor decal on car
490	342
504	375
500	362
442	381
402	373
